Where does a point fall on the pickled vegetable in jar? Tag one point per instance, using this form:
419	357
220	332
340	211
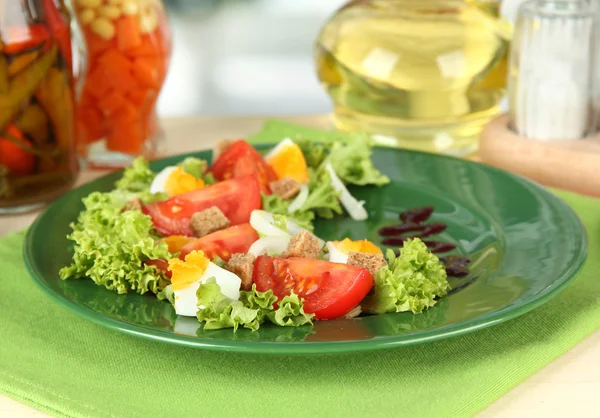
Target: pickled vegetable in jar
38	159
128	49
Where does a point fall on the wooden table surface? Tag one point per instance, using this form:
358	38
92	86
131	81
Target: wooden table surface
568	386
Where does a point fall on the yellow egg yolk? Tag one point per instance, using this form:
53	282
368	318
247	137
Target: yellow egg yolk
176	242
289	162
181	182
189	271
363	246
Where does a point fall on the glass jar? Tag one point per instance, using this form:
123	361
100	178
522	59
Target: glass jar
127	48
38	160
428	73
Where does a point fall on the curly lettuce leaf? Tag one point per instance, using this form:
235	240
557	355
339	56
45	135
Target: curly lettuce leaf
290	312
322	198
411	282
277	206
314	152
352	162
197	168
218	311
137	177
111	247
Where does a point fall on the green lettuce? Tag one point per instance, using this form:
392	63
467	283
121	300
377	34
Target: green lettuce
111	245
411	282
197	168
314	152
322	198
350	159
277	206
290	312
352	162
218	311
194	166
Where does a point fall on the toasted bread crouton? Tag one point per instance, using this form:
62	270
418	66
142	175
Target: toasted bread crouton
242	265
133	204
285	188
304	245
208	221
372	262
221	147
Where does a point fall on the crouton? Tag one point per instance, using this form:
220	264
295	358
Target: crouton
285	188
208	221
372	262
133	204
242	265
304	245
221	147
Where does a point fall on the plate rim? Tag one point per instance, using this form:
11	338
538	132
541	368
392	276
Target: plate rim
313	347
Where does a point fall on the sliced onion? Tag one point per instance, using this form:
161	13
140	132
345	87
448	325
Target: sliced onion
270	245
357	310
299	200
263	223
354	207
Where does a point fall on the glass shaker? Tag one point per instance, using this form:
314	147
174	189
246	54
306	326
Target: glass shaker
551	83
127	48
38	159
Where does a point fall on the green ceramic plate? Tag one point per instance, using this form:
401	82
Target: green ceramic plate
525	245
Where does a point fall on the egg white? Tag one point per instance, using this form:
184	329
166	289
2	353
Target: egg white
186	302
336	255
160	181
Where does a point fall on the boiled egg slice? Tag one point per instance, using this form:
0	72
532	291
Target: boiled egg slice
269	225
339	250
287	160
174	180
189	274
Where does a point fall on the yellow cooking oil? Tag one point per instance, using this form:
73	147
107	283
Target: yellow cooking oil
423	74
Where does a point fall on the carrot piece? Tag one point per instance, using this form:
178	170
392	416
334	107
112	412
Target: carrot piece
96	45
139	97
95	84
117	70
89	125
125	137
112	103
145	71
128	33
150	47
22	38
114	60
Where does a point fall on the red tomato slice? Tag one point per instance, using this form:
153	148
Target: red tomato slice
236	198
330	290
241	159
161	264
223	243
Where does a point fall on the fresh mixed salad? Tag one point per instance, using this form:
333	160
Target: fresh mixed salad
233	243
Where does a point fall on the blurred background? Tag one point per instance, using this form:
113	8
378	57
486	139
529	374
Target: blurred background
244	57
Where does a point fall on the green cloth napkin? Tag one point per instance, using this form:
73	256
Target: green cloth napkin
62	364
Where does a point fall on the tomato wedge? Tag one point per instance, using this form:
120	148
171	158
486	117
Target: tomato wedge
330	290
223	243
161	264
236	198
240	160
